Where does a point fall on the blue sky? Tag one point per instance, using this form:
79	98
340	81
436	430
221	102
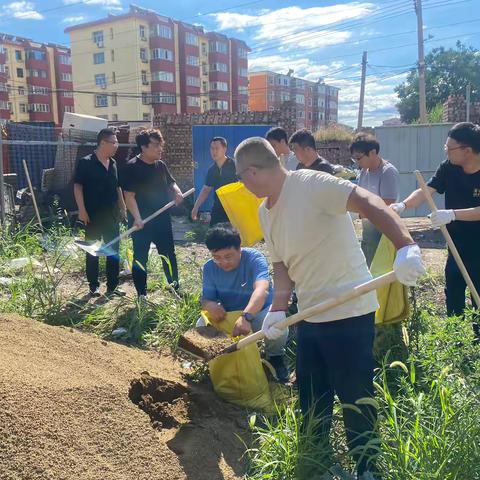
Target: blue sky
315	38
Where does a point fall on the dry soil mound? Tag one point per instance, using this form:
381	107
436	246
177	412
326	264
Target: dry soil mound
69	409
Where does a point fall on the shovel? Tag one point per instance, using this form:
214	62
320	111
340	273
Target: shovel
99	249
350	294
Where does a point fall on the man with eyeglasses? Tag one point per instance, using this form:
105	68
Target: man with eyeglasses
100	206
378	176
148	186
237	279
458	177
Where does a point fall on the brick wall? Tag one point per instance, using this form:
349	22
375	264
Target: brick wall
455	110
177	131
335	151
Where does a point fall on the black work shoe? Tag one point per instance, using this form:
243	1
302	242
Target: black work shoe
94	293
281	370
116	292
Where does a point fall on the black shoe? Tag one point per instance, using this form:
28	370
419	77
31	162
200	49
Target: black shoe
116	292
94	293
281	370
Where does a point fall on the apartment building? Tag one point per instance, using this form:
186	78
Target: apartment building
35	80
316	103
130	66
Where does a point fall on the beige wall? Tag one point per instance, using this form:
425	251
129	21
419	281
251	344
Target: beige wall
126	64
14	96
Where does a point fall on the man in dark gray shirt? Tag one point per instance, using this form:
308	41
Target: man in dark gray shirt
377	176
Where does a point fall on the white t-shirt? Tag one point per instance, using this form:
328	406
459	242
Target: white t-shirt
289	161
310	231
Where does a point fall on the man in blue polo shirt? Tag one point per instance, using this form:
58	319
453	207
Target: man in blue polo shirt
237	279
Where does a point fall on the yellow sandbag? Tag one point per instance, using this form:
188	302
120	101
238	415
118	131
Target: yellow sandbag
393	298
241	206
239	377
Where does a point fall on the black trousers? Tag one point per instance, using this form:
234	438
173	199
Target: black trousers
103	227
336	357
218	215
160	233
455	284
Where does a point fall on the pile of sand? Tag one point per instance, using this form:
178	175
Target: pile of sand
69	409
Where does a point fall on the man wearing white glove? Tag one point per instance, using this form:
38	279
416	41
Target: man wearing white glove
312	245
458	178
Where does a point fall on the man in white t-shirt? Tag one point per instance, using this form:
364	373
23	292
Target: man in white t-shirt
312	245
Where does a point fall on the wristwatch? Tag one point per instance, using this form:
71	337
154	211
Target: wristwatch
247	316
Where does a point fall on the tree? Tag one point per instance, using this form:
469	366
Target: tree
448	72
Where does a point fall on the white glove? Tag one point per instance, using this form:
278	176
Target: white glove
398	207
269	329
408	265
441	217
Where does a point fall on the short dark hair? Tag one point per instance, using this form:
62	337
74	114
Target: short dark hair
222	235
222	140
364	143
304	138
104	134
467	134
145	136
278	134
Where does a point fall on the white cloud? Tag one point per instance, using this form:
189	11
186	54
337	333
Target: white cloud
106	3
22	11
77	19
287	24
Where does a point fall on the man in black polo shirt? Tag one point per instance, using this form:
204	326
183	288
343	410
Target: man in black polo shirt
303	146
100	205
218	175
148	186
458	178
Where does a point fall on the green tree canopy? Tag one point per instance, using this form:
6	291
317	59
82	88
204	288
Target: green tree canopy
448	72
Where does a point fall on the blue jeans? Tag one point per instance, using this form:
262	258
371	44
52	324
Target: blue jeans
273	348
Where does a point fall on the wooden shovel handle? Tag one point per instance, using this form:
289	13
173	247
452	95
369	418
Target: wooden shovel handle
449	240
35	206
355	292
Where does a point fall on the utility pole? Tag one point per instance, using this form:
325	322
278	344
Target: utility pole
421	63
469	87
362	91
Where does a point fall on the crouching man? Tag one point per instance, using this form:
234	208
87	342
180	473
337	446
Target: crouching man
237	279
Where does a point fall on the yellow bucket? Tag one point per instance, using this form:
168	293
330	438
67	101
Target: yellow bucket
241	206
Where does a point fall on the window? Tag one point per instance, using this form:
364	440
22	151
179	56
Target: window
286	82
144	77
146	117
204	69
279	80
112	55
219	47
146	98
219	105
23	108
111	32
191	39
243	90
223	86
114	78
163	97
114	117
204	48
243	72
101	80
192	60
219	67
193	101
143	55
98	58
193	81
66	77
142	32
300	99
98	37
242	53
309	115
38	73
162	31
20	72
21	90
36	55
39	107
284	96
271	96
271	80
114	100
18	55
4	105
34	90
161	76
68	108
101	100
4	69
67	94
310	102
301	114
64	59
162	54
4	88
243	107
321	103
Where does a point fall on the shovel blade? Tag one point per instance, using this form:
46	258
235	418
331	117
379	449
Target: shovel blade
96	249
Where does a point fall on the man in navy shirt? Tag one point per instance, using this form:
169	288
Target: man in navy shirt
238	279
458	178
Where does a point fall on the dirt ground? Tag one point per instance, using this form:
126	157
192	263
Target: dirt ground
67	411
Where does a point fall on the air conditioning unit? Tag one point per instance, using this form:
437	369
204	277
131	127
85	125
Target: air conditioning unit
146	82
103	86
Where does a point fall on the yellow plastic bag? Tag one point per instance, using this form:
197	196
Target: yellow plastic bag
241	206
392	298
239	377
